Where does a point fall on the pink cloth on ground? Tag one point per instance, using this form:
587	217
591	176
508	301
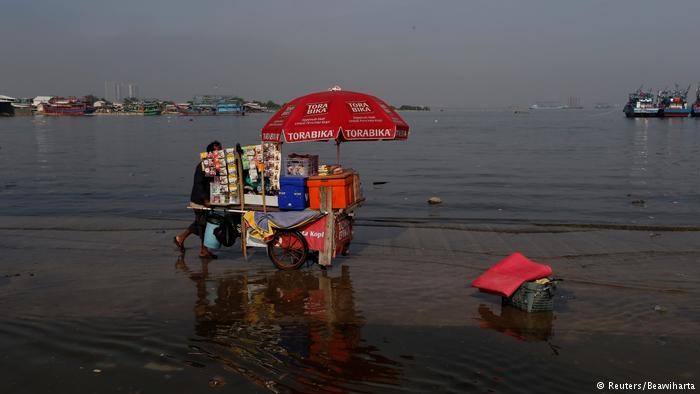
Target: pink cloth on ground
508	274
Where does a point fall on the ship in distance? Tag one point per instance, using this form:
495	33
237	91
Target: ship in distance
695	110
574	102
641	104
674	103
667	103
547	105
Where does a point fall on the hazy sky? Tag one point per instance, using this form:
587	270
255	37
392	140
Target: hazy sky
438	53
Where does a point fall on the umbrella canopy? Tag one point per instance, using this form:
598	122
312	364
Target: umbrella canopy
335	115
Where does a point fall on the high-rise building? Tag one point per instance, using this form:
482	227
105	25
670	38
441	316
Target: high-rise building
117	92
133	89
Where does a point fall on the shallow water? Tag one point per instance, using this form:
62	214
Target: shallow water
119	311
94	299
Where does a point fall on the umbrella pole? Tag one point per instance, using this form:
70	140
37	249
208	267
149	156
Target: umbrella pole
337	153
262	178
241	197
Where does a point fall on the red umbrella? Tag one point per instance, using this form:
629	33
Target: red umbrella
335	115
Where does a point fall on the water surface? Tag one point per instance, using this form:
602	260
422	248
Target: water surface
580	166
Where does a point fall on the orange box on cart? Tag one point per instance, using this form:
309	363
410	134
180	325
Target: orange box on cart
342	186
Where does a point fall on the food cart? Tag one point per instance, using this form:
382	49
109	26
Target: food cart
309	209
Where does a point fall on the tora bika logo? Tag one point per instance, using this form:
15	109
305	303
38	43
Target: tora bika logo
401	134
359	107
316	109
287	111
314	135
271	136
368	134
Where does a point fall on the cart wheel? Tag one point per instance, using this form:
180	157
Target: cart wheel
287	249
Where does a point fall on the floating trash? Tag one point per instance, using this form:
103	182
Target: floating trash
434	200
659	308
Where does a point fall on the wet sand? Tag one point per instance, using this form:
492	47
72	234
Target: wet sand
107	305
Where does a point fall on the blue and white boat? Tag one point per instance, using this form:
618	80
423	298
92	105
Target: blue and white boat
641	104
230	108
674	104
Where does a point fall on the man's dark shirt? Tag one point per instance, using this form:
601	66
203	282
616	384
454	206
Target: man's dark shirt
200	187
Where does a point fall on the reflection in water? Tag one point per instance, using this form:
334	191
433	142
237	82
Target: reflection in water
42	134
535	326
640	159
287	330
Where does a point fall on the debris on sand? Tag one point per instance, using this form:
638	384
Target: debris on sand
434	200
659	308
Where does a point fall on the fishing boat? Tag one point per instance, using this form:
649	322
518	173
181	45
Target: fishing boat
6	107
145	108
674	103
641	104
22	107
695	110
196	110
170	109
149	108
252	106
65	106
230	108
10	106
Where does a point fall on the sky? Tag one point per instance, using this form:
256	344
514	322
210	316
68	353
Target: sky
415	52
